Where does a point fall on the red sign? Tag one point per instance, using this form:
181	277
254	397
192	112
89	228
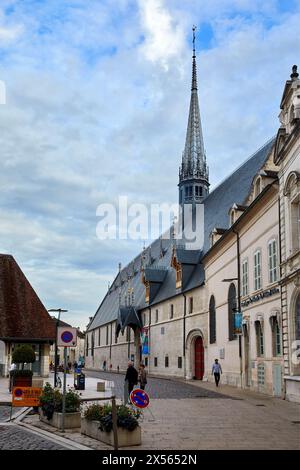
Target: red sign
139	398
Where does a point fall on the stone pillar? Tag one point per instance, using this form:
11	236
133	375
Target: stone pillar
45	358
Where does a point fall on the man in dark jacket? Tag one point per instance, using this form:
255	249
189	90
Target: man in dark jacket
131	377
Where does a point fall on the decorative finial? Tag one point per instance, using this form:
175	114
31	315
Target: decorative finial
294	74
194	36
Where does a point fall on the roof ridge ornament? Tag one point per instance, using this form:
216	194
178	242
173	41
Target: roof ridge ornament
294	74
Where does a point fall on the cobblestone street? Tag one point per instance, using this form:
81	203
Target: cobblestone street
157	387
14	438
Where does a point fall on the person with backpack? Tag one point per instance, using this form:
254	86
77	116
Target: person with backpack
142	376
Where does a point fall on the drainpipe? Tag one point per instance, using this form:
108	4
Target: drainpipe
239	298
281	295
183	343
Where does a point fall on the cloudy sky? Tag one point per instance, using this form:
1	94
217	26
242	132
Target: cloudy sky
97	95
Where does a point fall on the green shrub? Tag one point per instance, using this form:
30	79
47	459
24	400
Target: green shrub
23	354
52	400
127	418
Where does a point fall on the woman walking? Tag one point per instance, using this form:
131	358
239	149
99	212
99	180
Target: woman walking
142	376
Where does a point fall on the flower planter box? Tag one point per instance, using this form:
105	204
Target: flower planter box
72	420
125	438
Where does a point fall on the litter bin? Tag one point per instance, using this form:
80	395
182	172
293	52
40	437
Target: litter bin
79	381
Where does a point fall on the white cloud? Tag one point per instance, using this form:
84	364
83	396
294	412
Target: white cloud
94	112
164	35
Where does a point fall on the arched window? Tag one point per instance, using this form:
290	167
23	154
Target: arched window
277	338
297	335
212	320
231	311
259	339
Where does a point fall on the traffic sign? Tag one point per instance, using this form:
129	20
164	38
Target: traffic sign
139	398
26	396
66	336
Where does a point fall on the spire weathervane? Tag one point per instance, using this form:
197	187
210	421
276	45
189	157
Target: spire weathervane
194	37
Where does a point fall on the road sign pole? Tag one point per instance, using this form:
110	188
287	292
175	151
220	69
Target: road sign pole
114	421
64	390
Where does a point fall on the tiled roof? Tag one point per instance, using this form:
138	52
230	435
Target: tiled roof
234	189
22	314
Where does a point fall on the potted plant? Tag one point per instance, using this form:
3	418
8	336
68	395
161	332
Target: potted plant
23	354
51	407
97	423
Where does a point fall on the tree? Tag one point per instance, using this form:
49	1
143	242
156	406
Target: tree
23	354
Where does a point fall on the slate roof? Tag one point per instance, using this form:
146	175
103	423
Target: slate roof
234	189
22	314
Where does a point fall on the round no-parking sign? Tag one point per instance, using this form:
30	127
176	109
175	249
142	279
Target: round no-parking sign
139	398
66	336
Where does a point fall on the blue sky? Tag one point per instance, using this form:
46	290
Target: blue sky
97	106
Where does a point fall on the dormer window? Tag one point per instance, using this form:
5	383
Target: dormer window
147	294
232	217
178	268
178	276
257	188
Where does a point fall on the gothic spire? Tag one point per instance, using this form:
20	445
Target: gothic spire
193	159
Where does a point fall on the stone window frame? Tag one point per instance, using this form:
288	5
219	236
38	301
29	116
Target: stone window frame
232	305
212	320
245	285
260	338
171	312
191	304
256	286
273	269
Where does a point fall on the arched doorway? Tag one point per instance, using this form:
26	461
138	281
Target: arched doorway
196	356
199	358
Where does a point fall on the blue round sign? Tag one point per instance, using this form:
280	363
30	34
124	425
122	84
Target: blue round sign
139	398
66	336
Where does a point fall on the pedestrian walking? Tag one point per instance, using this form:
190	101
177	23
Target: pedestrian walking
142	376
104	366
216	371
131	379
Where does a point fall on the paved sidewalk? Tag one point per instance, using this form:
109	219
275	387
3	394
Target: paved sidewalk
89	392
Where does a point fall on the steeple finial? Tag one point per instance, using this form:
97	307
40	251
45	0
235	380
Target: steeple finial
194	74
194	37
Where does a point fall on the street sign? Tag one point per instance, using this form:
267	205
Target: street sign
66	336
26	396
139	398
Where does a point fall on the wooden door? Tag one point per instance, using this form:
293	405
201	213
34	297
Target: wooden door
199	358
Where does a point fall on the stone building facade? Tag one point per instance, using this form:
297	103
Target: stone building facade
173	306
287	158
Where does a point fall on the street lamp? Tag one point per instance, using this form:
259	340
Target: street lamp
59	310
